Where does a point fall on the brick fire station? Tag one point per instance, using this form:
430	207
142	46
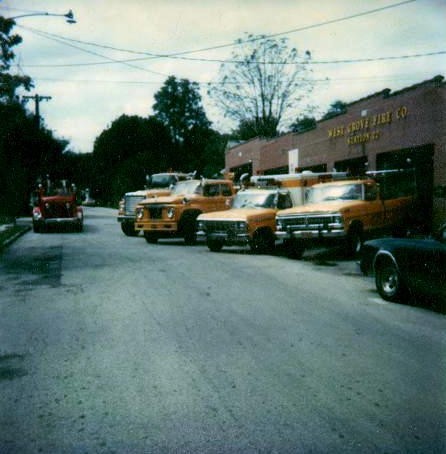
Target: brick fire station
405	129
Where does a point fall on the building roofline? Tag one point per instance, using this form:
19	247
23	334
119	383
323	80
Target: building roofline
437	81
387	92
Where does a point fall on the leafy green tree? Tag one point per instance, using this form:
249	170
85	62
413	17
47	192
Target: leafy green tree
196	146
9	83
178	106
336	108
303	124
262	85
126	152
27	152
204	151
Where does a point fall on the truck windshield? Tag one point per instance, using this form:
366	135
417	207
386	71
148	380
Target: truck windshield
254	200
160	180
332	192
187	187
59	188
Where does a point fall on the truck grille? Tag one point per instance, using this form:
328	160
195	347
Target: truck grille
229	227
58	210
130	202
219	226
156	212
307	222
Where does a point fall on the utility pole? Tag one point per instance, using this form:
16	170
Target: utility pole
37	99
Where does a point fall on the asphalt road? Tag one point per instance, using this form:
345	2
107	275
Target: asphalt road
111	345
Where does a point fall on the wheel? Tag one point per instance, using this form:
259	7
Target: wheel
214	245
190	238
128	228
189	231
294	249
262	242
388	281
354	241
150	237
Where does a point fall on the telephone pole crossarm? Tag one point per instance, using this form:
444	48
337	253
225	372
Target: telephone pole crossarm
37	99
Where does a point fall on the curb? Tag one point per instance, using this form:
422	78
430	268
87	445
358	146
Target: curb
14	237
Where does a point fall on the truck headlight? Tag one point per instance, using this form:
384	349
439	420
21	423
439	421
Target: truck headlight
171	213
279	224
337	221
201	226
241	226
139	213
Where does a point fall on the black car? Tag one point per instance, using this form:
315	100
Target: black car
408	266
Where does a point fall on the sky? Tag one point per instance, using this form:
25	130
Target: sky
99	68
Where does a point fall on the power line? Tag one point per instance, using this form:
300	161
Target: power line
180	55
109	59
318	81
309	62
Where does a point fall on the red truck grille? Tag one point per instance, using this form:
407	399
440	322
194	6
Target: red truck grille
58	210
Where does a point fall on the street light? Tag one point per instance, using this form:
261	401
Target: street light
69	16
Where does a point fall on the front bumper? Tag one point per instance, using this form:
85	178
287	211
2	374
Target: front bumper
235	239
310	234
126	218
163	226
58	221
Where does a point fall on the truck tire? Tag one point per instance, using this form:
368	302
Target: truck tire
355	239
214	245
262	242
150	237
128	228
188	227
294	249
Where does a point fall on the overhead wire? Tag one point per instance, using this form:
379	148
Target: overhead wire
109	59
181	55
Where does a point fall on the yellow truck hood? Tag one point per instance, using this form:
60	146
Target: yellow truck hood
158	193
237	214
166	200
323	207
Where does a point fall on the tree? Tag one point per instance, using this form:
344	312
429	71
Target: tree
27	152
263	84
336	108
178	106
303	124
124	153
196	146
204	151
8	82
248	129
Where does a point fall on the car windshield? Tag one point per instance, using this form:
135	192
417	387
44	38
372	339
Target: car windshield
59	188
187	187
332	192
254	200
161	180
